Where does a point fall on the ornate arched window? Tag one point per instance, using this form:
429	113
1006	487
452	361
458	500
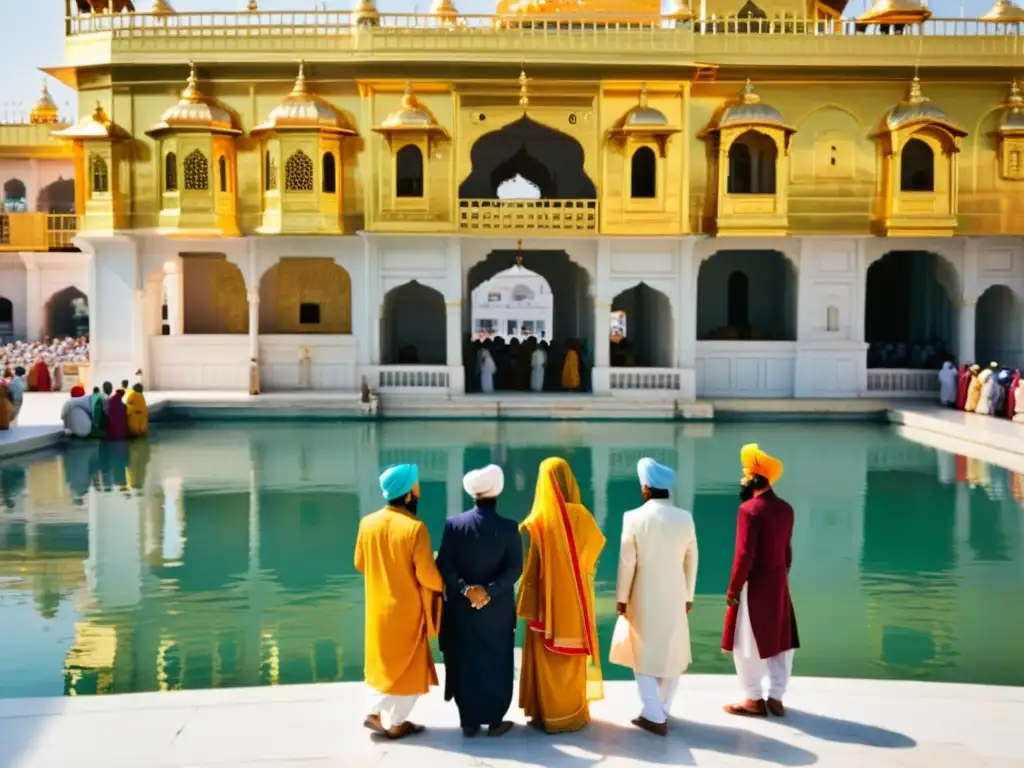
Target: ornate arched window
170	172
409	172
99	173
643	174
197	171
917	167
328	174
752	159
222	172
298	173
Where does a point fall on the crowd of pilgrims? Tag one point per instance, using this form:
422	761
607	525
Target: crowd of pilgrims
107	413
915	356
997	390
42	362
535	365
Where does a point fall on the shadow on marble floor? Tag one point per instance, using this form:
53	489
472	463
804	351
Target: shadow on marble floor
841	731
602	740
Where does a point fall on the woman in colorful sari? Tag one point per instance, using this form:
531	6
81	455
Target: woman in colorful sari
561	667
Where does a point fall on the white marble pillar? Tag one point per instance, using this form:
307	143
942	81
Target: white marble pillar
139	339
453	323
173	290
174	520
600	378
254	323
965	333
33	302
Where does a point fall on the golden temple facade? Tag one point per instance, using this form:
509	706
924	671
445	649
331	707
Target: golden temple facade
774	118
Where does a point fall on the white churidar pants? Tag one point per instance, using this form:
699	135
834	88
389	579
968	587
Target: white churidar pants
750	667
656	695
393	710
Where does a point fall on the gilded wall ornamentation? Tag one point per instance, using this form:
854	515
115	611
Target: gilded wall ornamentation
197	171
320	281
298	173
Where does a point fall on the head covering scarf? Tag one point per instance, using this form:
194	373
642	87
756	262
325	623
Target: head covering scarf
397	481
655	475
757	462
486	483
556	596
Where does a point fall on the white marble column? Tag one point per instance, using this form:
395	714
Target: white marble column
173	289
965	333
453	323
33	302
139	339
254	323
601	374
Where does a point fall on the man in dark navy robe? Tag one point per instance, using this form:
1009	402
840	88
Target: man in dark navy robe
480	559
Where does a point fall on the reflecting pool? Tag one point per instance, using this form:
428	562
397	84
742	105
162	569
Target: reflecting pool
221	555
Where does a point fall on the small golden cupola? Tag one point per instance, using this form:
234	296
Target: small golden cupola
162	8
366	14
1004	12
1009	135
45	111
409	177
896	12
100	157
445	12
750	146
197	158
920	147
303	136
637	154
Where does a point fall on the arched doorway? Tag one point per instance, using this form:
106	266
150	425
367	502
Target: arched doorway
57	197
414	327
306	295
559	286
642	336
550	160
728	309
15	196
214	295
999	319
67	313
909	318
6	320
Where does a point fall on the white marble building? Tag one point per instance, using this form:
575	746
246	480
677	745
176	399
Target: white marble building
516	303
805	303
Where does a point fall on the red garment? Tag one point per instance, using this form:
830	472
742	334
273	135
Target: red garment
961	468
77	391
962	386
43	382
764	552
1011	396
117	417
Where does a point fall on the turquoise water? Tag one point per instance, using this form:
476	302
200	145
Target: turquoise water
221	555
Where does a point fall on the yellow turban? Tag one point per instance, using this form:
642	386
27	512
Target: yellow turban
757	462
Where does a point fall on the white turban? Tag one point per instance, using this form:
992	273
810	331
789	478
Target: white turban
486	483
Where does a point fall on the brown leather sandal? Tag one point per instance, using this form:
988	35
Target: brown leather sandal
775	708
403	730
748	708
373	723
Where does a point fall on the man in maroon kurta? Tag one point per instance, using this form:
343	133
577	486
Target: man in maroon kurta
760	623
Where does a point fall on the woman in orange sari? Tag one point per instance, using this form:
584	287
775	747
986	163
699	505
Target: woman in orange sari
561	668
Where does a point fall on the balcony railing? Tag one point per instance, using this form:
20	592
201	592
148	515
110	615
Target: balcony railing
902	382
37	231
565	217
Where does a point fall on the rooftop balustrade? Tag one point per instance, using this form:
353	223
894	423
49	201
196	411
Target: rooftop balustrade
237	36
23	232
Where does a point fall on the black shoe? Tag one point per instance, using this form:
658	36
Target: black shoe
470	731
494	731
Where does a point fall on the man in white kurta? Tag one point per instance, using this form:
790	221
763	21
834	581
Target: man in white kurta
656	584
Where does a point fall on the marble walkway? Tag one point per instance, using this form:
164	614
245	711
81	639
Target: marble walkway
832	723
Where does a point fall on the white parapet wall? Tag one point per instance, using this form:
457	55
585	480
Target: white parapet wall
308	361
198	362
745	368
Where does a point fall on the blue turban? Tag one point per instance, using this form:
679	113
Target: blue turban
655	475
397	481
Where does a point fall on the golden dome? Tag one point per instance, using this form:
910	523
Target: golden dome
644	118
1004	11
916	109
98	125
897	12
750	111
1012	119
45	110
413	116
162	8
445	11
195	112
303	110
366	15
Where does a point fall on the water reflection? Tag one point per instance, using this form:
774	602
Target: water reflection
223	557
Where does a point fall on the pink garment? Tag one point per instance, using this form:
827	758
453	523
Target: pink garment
117	417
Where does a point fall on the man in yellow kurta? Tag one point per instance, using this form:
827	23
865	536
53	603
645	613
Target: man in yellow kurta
402	584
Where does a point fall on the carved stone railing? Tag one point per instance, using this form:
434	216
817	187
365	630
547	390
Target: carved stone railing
645	379
565	217
427	379
902	382
37	231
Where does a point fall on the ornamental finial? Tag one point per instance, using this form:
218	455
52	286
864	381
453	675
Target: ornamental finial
524	96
